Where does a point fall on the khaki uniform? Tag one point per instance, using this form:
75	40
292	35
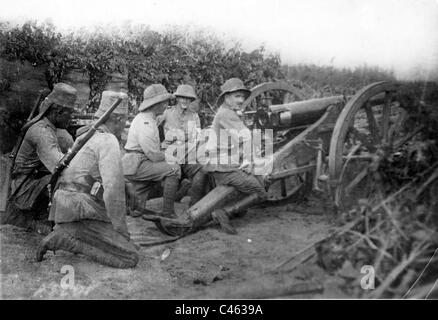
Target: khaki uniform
143	141
141	167
223	170
93	217
36	161
65	140
180	124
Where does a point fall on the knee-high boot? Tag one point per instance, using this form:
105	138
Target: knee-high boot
197	190
169	194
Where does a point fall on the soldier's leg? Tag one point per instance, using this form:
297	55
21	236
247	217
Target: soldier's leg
162	171
252	191
199	181
15	216
95	239
28	207
243	182
27	219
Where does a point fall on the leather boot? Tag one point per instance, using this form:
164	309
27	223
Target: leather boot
105	258
183	188
197	190
56	240
221	216
169	193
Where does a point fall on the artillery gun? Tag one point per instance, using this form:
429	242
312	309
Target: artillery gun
325	144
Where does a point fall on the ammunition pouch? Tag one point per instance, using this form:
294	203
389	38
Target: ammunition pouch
95	190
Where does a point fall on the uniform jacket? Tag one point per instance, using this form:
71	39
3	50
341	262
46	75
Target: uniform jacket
36	160
144	139
229	123
181	128
99	160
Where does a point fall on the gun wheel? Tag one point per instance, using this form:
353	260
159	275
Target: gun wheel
266	94
369	128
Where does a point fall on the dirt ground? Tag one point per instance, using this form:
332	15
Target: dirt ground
205	265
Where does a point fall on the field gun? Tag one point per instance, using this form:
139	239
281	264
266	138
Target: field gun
324	144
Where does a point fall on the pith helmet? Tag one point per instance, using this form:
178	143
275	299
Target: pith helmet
154	94
232	85
107	100
185	90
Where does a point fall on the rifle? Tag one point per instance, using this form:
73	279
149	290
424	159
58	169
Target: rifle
79	143
43	93
8	164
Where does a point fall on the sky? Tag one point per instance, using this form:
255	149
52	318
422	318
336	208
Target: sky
399	35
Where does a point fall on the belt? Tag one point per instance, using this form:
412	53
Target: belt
75	187
96	190
134	151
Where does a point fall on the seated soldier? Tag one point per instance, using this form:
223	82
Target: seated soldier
36	161
89	203
238	175
181	125
144	162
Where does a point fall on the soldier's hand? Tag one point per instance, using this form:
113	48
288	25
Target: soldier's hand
246	167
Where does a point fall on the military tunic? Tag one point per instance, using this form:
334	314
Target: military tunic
219	162
36	160
91	214
181	127
144	160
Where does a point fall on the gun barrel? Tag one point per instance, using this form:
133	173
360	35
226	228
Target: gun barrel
301	112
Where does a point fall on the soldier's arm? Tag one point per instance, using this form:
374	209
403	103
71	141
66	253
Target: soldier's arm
198	121
240	136
65	140
235	127
110	168
146	139
47	147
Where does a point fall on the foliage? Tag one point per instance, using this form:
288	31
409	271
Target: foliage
397	233
328	80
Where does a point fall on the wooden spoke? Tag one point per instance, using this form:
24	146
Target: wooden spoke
385	116
348	177
363	139
261	89
372	124
356	180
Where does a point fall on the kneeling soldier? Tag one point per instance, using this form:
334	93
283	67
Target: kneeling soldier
89	203
36	161
144	161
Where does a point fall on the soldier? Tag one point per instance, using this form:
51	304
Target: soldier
181	125
238	175
89	203
144	161
36	160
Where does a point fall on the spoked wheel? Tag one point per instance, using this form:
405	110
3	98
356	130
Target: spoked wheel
369	127
266	94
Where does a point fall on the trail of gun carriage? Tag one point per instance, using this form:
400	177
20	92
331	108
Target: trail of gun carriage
350	205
